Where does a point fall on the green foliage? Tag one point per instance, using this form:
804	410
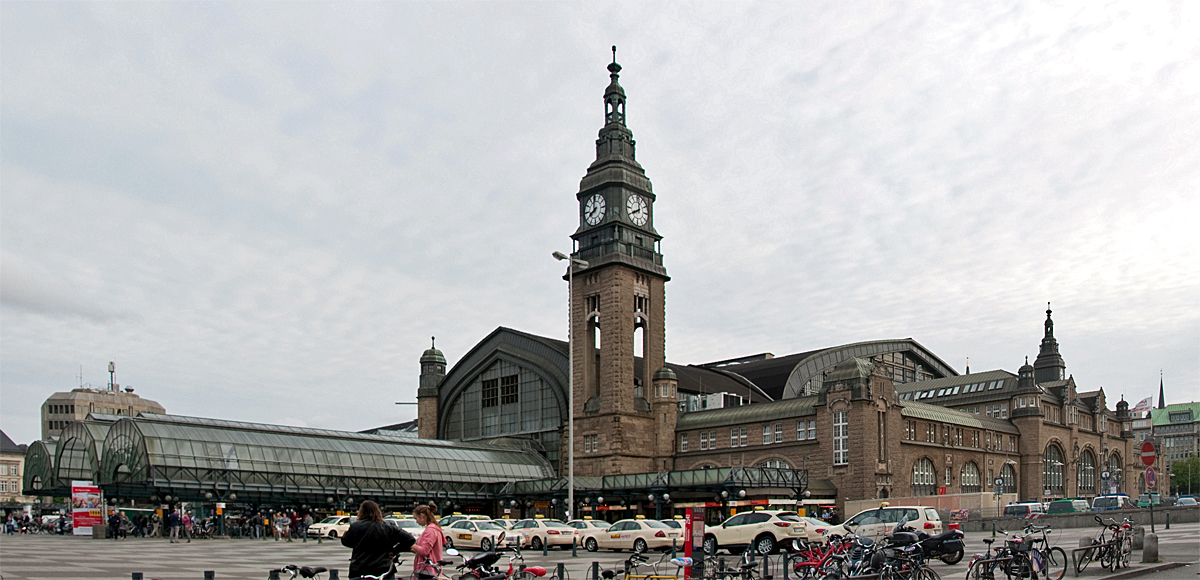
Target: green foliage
1185	476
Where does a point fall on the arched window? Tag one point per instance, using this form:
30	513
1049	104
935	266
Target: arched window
1009	475
1114	473
924	477
1085	474
970	478
1052	470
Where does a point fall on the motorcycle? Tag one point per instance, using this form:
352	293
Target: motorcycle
947	546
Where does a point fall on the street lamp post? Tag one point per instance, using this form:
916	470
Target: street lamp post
572	262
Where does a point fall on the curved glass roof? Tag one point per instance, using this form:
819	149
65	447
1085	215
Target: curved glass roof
80	447
38	478
171	452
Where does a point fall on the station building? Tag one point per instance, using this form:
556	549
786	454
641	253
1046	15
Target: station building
854	422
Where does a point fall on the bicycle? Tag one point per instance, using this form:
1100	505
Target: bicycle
303	571
1110	552
1055	558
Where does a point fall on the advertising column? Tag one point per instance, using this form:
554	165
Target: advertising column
87	507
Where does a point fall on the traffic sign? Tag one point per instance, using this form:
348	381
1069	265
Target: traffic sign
1104	474
1148	453
1150	477
998	481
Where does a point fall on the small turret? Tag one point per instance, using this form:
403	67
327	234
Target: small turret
1049	365
433	370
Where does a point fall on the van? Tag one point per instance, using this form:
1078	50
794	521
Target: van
1067	506
1023	510
1112	502
875	523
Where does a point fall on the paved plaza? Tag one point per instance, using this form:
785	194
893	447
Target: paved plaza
64	557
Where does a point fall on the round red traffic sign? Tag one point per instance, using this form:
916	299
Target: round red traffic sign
1148	453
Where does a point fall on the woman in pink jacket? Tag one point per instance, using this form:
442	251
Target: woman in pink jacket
429	545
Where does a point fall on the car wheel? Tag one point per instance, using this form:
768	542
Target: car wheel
485	544
536	543
449	542
765	544
710	545
333	534
591	545
639	545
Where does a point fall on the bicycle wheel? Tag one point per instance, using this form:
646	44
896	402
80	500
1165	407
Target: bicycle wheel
1126	551
1018	566
1056	563
1085	558
1107	556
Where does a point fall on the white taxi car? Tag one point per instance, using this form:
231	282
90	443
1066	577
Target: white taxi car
331	527
765	530
876	523
484	535
407	524
639	535
588	531
536	533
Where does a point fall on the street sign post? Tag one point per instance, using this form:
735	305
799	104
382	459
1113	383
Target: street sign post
1148	453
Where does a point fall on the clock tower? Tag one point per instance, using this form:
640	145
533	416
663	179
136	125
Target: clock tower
624	407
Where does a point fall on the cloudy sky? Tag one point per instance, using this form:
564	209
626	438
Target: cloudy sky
263	211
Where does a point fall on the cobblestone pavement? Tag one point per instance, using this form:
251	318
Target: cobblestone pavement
65	557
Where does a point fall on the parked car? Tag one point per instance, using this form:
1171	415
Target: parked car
677	524
814	530
331	527
588	531
484	535
1023	510
1112	502
536	533
639	535
449	520
1186	500
407	524
1066	506
875	523
765	530
1146	499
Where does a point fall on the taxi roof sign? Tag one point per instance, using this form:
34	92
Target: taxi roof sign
639	517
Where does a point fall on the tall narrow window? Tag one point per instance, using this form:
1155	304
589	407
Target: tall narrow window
733	437
841	424
779	432
491	393
970	478
742	435
812	429
766	434
683	442
924	477
703	440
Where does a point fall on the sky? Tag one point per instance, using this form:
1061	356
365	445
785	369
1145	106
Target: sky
263	211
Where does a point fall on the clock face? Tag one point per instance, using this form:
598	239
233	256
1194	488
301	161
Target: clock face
639	212
593	209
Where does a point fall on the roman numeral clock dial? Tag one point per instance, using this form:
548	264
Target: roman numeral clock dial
637	209
593	209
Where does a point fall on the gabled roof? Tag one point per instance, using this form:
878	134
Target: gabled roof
8	446
941	414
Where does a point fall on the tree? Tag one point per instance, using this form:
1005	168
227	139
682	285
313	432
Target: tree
1185	476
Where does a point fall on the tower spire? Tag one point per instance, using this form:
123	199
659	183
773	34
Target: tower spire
1049	364
1162	401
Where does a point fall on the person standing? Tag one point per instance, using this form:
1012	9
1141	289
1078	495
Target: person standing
429	545
173	523
372	542
308	522
187	526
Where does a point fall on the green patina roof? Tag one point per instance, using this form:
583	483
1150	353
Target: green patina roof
1162	417
756	413
944	415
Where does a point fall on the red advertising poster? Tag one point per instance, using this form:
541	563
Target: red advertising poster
87	507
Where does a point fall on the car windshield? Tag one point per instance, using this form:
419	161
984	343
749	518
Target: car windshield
655	524
600	524
332	520
489	526
551	524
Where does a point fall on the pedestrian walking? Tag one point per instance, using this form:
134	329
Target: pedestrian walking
173	522
308	522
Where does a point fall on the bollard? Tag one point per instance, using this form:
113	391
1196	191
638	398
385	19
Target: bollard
273	575
562	570
766	571
319	536
574	545
137	576
546	548
1139	536
595	570
333	575
1168	520
993	529
210	575
1150	549
674	553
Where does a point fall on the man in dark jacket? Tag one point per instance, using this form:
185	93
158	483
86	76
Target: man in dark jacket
173	523
374	541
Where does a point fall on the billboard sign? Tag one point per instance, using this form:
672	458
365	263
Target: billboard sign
87	507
